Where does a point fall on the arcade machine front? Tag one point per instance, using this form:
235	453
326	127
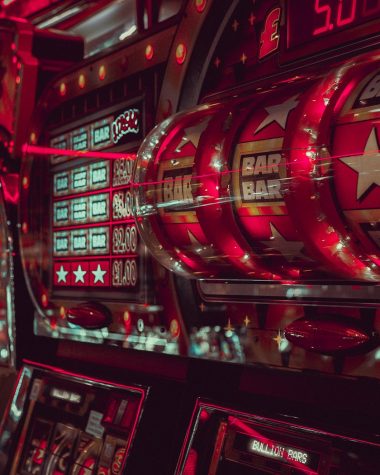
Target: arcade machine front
239	250
80	395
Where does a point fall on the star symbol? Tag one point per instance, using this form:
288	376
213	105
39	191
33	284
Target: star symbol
278	113
99	274
62	273
79	274
202	307
193	134
243	58
235	25
217	62
367	165
229	327
251	19
289	249
246	321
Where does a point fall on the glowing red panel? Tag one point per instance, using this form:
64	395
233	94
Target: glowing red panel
327	17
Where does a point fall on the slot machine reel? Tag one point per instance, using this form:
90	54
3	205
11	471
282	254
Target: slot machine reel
334	189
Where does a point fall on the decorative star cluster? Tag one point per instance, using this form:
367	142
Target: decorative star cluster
80	274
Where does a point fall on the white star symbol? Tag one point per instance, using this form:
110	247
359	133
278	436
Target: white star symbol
99	274
62	273
79	274
193	134
278	113
289	249
366	165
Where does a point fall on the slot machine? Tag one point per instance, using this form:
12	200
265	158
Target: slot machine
199	235
25	66
95	290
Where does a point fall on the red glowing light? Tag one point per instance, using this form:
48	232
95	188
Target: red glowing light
37	150
82	81
149	52
200	5
180	53
102	72
174	328
24	227
44	300
62	89
18	80
10	184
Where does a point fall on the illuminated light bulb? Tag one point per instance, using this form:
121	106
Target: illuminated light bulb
200	5
44	300
174	328
102	72
13	47
62	89
126	316
180	53
62	312
81	81
18	80
14	59
149	52
33	138
25	182
24	227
